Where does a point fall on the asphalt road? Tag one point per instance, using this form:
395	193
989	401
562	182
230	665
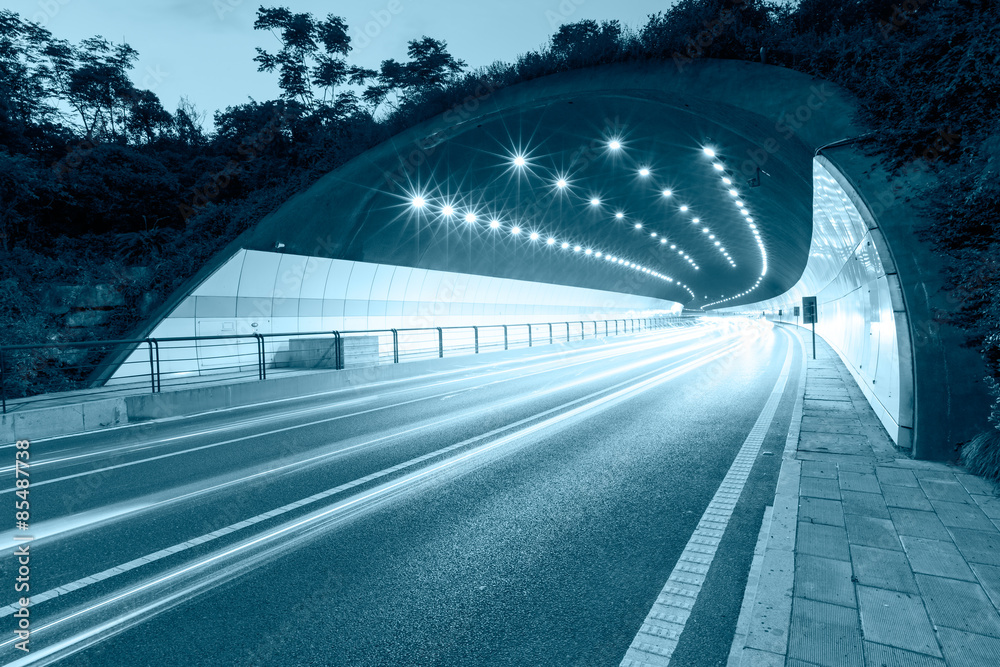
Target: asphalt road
526	513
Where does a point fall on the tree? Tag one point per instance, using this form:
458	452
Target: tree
311	56
430	69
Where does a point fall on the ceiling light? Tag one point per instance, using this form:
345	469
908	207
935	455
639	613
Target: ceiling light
667	193
418	202
708	151
644	172
448	210
595	202
564	245
519	161
718	167
663	240
494	224
684	208
515	230
638	225
619	215
533	236
614	144
470	217
561	183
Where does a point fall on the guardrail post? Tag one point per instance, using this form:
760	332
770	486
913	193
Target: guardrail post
583	334
3	381
529	334
260	356
551	340
505	336
156	347
606	329
440	343
338	351
152	368
395	346
476	330
567	332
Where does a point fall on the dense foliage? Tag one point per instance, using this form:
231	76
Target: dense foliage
78	140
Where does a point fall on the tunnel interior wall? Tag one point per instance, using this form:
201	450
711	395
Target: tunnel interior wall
277	293
860	313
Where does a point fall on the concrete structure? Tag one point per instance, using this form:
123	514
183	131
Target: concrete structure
690	185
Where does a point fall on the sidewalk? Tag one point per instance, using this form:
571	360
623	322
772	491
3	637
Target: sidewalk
869	558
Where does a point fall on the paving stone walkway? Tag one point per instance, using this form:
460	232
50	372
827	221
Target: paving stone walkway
869	558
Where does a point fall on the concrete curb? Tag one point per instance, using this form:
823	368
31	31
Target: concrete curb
768	599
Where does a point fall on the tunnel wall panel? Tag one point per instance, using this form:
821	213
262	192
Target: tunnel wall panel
857	315
263	292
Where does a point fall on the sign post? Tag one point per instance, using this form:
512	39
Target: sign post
809	316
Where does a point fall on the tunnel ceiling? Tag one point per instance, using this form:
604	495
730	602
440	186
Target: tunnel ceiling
547	187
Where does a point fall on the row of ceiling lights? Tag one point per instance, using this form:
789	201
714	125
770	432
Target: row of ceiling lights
515	230
727	182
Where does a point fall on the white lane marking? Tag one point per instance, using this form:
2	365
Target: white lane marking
48	529
95	471
588	356
660	633
603	402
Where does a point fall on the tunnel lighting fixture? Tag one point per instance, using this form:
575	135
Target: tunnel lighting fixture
598	254
696	220
595	202
708	151
734	193
752	226
470	217
577	248
418	202
550	241
717	166
744	211
726	180
749	219
533	236
644	172
638	225
614	144
652	235
619	215
673	246
588	251
684	208
667	193
663	240
515	230
448	210
519	161
564	245
561	183
704	230
711	236
738	203
494	224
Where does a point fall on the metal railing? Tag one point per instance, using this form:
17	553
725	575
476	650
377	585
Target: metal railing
40	370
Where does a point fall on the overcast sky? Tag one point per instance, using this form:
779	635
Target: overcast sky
204	49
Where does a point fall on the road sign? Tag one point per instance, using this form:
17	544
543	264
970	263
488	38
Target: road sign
796	313
810	315
809	311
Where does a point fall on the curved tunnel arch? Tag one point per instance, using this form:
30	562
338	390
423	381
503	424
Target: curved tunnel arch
756	116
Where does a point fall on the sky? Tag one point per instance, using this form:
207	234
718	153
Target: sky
204	49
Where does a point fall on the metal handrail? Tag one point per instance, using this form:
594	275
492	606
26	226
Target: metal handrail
155	345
